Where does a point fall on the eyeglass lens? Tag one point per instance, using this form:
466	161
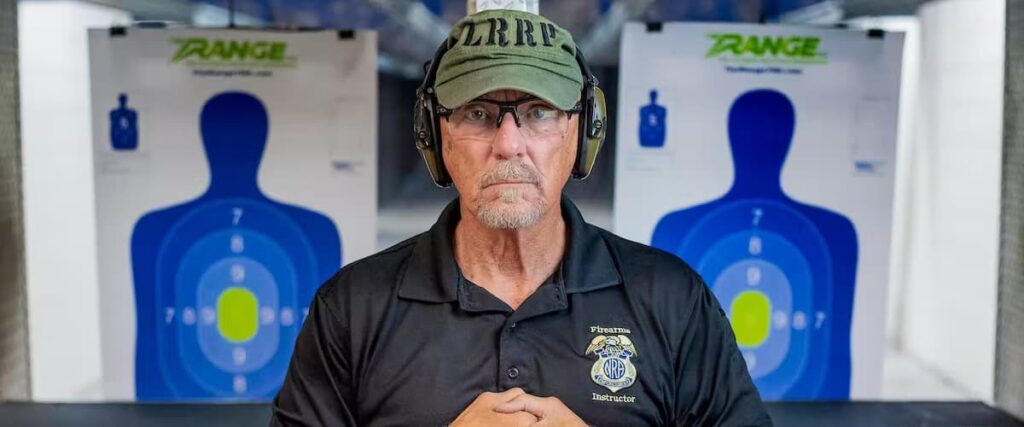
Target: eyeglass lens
482	118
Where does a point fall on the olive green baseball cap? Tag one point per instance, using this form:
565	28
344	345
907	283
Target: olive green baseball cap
508	49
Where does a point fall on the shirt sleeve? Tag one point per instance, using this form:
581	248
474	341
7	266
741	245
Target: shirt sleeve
318	388
713	385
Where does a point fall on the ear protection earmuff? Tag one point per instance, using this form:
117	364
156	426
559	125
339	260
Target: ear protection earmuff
426	122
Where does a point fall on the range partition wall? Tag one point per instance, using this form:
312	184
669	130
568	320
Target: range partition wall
1009	378
13	332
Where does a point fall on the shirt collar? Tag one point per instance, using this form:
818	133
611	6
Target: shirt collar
432	275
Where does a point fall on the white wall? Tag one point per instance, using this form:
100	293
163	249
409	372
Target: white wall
60	223
909	81
949	304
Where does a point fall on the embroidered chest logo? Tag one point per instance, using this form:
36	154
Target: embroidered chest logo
613	369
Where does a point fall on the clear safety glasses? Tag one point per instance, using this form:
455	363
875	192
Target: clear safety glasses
481	118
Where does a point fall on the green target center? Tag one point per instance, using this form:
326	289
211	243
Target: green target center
237	313
750	315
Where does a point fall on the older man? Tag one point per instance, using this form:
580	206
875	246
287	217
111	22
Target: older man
511	310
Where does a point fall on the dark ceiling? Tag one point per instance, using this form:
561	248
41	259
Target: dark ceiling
410	30
575	15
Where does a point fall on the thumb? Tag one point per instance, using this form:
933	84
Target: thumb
522	403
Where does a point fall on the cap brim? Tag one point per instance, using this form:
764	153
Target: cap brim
552	87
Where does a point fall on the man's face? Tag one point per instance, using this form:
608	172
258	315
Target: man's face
509	175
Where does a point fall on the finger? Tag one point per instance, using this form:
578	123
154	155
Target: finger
510	394
522	418
523	403
485	396
503	396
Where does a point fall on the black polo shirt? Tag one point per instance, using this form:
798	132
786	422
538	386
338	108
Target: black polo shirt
623	334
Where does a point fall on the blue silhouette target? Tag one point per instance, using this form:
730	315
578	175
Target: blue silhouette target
784	271
652	123
223	282
124	126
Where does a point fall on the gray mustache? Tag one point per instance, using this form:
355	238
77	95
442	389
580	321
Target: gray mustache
507	171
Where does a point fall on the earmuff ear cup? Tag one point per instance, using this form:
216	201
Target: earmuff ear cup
426	127
428	141
593	124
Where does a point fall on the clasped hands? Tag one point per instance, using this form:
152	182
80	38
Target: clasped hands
515	407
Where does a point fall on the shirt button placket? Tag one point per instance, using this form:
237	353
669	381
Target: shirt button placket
510	373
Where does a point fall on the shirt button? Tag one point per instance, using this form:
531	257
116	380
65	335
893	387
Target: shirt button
513	372
512	325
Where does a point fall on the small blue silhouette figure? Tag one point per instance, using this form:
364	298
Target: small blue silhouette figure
124	126
223	282
784	271
652	123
